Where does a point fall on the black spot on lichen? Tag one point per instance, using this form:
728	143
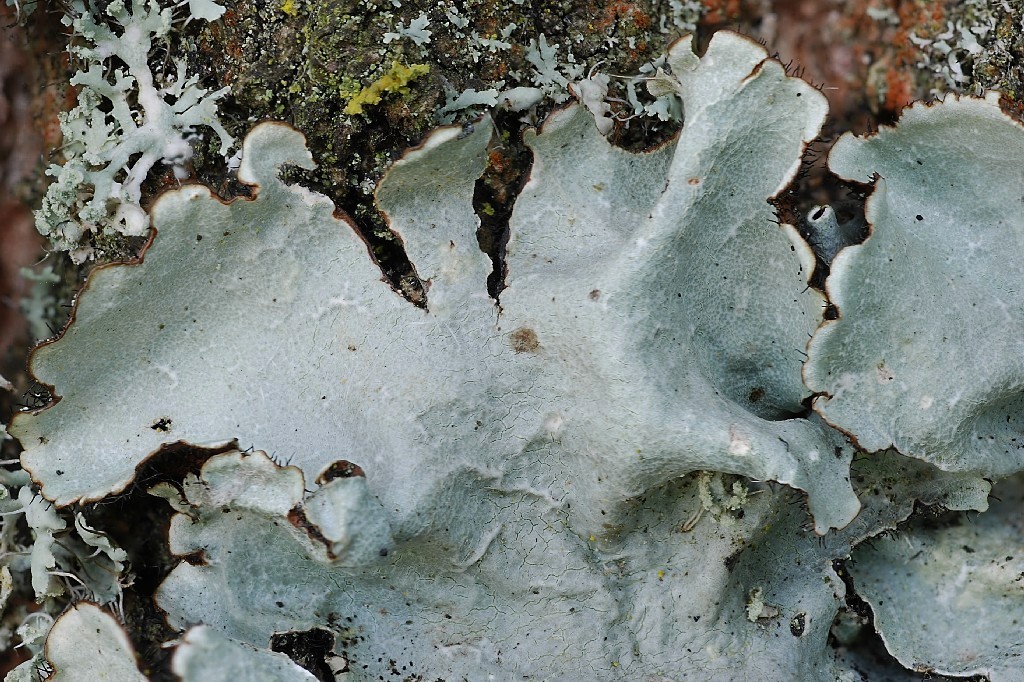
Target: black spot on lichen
797	624
163	424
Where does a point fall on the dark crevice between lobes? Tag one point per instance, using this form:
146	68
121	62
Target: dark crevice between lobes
816	186
149	557
813	188
385	247
856	615
494	196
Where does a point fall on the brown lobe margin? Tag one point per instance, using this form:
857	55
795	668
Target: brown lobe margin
94	274
341	468
297	517
46	645
196	558
849	435
833	307
1012	107
422	301
169	462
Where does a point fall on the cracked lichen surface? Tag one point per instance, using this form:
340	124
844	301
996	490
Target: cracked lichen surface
508	445
748	526
529	343
665	590
951	565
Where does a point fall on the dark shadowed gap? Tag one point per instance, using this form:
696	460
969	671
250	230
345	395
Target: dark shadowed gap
149	557
309	649
385	247
495	193
867	643
816	186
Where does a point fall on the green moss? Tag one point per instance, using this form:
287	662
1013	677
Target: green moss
349	88
394	81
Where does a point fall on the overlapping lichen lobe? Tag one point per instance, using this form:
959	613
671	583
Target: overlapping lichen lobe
297	517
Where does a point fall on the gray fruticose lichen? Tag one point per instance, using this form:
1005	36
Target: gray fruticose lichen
505	488
125	121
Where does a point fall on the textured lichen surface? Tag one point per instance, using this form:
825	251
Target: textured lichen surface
937	572
206	655
571	480
611	366
88	644
926	355
489	432
744	593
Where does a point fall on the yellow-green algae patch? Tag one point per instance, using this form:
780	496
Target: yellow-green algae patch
395	80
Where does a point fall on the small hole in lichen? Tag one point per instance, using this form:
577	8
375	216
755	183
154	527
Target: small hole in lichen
163	424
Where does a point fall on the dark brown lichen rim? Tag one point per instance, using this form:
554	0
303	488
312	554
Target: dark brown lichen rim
296	517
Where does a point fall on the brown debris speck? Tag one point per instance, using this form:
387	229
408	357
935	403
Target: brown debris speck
524	340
